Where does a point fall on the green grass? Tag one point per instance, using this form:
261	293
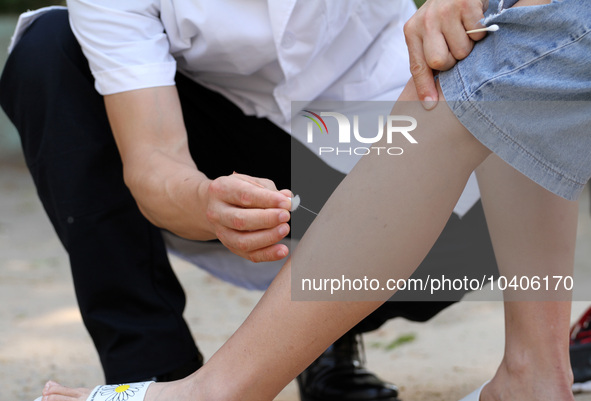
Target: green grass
397	342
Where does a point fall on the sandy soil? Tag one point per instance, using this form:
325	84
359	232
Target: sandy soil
42	336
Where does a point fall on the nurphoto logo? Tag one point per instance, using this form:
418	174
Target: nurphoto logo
395	125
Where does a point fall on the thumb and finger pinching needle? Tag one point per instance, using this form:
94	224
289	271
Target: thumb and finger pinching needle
295	201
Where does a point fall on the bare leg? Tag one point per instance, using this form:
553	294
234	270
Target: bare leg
388	212
533	233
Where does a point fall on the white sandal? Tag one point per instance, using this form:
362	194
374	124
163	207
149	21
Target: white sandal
475	395
118	392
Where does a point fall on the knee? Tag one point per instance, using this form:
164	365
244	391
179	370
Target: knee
43	64
48	37
43	49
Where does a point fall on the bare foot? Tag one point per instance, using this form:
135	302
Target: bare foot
173	391
56	392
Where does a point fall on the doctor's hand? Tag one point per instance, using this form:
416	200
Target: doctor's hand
249	216
437	40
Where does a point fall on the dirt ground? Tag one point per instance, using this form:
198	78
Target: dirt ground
42	336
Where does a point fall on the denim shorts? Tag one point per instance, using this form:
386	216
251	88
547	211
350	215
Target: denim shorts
525	91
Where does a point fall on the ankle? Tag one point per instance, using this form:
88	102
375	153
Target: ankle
213	386
204	389
547	365
524	378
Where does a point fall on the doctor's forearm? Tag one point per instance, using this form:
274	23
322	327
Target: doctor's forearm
158	169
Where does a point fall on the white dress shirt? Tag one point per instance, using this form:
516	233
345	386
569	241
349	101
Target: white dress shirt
260	54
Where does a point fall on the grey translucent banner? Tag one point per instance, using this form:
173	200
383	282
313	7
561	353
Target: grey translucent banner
329	138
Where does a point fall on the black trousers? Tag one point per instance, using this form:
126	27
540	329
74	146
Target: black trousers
130	300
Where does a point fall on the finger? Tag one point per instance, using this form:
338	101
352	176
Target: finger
287	193
459	43
471	16
242	219
260	182
243	243
244	194
477	35
269	254
437	53
422	75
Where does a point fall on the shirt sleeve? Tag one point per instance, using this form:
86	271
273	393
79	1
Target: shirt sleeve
124	42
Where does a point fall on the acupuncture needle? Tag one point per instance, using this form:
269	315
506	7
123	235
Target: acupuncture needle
305	208
295	204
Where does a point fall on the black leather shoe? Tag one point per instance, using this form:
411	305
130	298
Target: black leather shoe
338	375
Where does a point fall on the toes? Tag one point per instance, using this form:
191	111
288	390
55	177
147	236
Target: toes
57	397
56	392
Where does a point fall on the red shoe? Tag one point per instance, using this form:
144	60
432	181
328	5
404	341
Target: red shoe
580	348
